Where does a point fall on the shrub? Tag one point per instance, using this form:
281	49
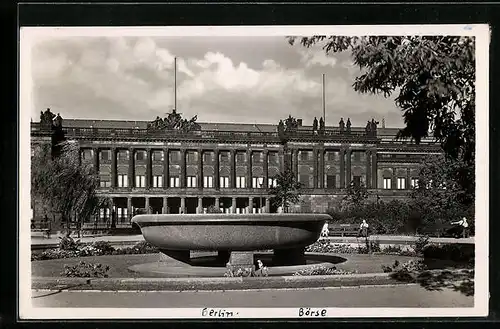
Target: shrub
86	270
325	246
321	270
214	210
455	252
370	246
68	243
420	244
103	247
144	247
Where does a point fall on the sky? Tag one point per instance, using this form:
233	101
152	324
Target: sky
251	79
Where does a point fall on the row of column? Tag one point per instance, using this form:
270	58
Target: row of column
345	167
199	209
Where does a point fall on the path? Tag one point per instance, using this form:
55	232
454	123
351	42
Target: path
364	296
132	239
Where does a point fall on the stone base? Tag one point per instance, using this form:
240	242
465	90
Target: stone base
292	256
223	256
242	262
180	255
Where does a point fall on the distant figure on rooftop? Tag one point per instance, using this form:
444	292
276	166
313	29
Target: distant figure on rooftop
321	125
348	125
342	125
315	126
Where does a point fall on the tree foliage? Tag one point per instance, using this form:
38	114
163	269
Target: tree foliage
355	196
439	196
433	76
64	185
286	191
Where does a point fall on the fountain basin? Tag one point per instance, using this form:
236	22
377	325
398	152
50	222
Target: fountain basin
232	232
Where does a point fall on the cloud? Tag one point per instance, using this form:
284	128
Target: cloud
133	79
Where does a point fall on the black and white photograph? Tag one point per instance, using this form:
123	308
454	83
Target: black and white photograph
253	172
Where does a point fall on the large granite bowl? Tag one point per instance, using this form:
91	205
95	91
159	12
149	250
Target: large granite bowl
235	232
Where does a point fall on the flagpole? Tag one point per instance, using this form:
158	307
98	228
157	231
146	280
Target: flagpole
324	114
175	83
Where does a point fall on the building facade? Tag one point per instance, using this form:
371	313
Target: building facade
231	166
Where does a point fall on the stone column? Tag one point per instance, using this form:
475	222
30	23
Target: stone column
182	210
281	159
149	164
113	167
131	167
348	168
111	208
166	169
322	168
368	171
267	207
374	169
233	206
249	169
165	205
200	168
408	179
315	168
148	210
216	169
393	179
233	169
129	207
182	179
250	205
296	164
217	203
200	206
265	166
342	168
95	153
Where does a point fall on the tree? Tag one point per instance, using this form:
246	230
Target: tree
286	191
355	196
64	185
439	196
433	76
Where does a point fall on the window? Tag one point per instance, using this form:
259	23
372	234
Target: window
257	157
331	181
273	157
87	154
191	181
105	183
103	213
240	182
175	156
271	182
414	182
191	156
122	155
356	156
257	182
158	181
304	179
240	157
208	181
140	181
387	183
174	181
105	155
401	183
207	157
331	156
224	156
140	155
224	181
122	181
158	156
304	155
357	181
122	214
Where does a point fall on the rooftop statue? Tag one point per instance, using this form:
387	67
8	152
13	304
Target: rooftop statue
342	125
348	125
47	117
174	121
321	125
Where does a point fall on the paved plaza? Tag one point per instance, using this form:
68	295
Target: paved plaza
363	296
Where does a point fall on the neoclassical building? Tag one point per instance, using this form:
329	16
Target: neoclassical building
175	166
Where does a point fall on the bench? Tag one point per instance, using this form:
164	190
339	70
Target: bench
45	231
343	230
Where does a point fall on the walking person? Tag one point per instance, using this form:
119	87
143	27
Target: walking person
324	231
